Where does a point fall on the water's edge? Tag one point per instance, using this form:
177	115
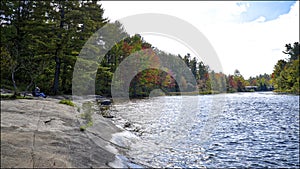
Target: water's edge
251	118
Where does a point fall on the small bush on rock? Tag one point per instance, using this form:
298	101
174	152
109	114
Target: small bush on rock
67	102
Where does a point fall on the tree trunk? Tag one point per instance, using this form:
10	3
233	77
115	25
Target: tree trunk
13	81
58	52
28	86
64	77
15	67
57	72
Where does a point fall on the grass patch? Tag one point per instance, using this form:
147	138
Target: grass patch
67	102
14	97
8	96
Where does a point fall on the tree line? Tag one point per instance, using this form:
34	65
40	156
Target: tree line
285	76
41	42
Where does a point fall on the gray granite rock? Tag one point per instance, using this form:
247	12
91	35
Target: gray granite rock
42	133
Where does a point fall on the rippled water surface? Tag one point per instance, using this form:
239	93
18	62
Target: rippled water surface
228	130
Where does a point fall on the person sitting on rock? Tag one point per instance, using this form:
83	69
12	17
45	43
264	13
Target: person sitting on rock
37	93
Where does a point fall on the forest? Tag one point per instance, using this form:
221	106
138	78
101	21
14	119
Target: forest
41	42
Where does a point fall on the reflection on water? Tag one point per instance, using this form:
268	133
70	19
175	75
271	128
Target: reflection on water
228	130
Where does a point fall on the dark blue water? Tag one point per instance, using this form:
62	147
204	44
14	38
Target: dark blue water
229	130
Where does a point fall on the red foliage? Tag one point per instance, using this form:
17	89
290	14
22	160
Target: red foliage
232	82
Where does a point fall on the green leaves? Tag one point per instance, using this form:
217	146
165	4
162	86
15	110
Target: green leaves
285	76
39	36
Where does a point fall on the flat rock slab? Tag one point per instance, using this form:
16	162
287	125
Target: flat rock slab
42	133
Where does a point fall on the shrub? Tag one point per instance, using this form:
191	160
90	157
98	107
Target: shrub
67	102
82	128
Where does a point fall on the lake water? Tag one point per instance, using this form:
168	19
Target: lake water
213	131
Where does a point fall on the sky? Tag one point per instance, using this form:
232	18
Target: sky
246	35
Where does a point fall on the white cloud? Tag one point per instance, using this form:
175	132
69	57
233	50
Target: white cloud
260	19
248	47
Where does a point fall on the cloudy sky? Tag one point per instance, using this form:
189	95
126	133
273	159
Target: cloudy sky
248	36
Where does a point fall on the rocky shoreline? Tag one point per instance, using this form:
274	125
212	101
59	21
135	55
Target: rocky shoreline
43	133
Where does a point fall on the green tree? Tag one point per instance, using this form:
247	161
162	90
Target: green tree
239	80
292	51
15	40
75	22
203	75
285	76
186	59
